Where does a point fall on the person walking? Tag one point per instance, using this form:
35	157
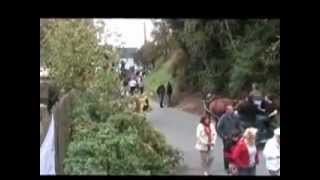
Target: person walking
265	119
256	96
161	90
140	83
248	112
229	128
206	138
271	153
169	93
255	93
244	156
132	85
270	108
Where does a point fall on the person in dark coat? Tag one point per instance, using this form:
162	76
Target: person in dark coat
169	93
161	90
248	112
269	106
229	128
263	122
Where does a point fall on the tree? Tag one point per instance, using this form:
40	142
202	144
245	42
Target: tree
147	54
106	137
161	35
71	51
227	55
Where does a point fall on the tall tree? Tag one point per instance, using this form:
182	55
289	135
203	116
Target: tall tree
72	53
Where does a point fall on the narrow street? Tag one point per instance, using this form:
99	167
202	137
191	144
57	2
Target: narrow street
98	77
179	128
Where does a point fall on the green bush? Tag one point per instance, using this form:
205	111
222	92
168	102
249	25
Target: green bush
106	138
123	143
109	139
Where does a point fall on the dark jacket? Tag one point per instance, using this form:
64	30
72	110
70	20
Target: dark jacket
269	107
229	125
248	112
169	89
161	90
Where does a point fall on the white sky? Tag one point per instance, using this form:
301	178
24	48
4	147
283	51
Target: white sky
131	30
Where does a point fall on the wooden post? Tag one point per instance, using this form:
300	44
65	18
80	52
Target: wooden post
62	119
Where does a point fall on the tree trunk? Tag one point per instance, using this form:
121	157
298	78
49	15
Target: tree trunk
229	34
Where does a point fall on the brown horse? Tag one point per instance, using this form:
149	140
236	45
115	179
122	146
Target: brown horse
218	106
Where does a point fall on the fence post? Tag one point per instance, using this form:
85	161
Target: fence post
62	129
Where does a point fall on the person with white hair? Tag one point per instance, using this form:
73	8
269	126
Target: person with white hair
244	155
271	153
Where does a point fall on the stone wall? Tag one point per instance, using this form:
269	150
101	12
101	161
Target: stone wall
44	91
60	110
44	116
44	121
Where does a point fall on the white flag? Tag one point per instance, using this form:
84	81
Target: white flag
47	152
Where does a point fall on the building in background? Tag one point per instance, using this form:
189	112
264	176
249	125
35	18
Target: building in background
127	56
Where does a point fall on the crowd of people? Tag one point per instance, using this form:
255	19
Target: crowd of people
132	84
240	128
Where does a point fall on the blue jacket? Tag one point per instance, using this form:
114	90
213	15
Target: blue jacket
229	125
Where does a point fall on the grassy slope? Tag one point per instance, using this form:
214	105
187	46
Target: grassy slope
163	74
158	77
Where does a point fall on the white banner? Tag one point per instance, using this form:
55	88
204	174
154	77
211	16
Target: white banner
47	152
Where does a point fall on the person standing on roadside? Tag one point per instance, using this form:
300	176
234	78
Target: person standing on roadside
256	94
161	90
271	153
132	85
169	93
270	108
244	155
206	139
140	83
229	128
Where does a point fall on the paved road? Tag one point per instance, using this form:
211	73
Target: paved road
179	128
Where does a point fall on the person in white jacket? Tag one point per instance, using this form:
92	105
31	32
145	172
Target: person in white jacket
206	138
271	153
132	85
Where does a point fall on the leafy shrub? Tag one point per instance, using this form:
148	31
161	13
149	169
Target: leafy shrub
122	144
109	139
106	138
